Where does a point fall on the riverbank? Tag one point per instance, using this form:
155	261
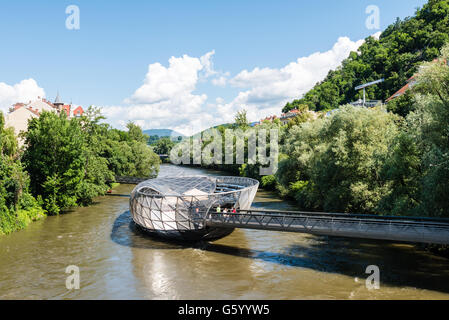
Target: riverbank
20	219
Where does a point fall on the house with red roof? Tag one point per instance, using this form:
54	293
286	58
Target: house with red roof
20	113
78	112
410	83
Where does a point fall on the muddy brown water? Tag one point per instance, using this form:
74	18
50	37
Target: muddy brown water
117	261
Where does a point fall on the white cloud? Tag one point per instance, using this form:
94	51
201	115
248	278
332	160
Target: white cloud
220	81
269	89
296	78
163	84
219	100
208	66
23	91
376	35
167	98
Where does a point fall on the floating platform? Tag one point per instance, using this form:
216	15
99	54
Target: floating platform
177	207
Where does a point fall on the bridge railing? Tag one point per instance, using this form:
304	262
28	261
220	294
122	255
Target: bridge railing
344	215
412	229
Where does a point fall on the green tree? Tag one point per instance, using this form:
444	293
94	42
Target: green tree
241	120
135	133
163	146
418	167
17	207
334	164
56	158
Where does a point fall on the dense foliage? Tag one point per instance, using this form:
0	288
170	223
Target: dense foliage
394	57
333	164
163	146
370	161
17	207
418	167
70	161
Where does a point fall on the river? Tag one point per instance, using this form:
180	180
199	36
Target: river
117	261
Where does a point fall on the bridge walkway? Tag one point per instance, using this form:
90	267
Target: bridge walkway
403	229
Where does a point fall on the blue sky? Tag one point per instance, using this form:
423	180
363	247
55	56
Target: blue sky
251	46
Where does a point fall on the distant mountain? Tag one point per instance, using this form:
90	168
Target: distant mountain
163	133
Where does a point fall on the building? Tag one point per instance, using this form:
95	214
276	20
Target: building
269	118
367	103
410	83
290	115
20	113
19	119
286	117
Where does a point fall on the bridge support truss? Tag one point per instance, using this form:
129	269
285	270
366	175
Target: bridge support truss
416	230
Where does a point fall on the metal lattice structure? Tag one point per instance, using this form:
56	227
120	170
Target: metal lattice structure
403	229
176	207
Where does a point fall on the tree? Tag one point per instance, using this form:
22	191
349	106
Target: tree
136	134
163	146
402	105
418	167
56	158
334	163
17	206
241	120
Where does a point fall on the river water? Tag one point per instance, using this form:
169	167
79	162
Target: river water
117	261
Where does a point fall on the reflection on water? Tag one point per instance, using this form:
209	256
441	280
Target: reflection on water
119	261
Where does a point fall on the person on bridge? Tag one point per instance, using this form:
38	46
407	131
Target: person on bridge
218	209
234	210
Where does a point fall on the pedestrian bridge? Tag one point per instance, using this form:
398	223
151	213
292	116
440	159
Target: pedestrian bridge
403	229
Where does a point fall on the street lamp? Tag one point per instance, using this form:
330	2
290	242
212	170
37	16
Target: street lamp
363	86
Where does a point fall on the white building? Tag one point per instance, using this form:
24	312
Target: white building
21	113
19	119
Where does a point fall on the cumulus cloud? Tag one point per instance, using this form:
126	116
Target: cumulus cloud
168	97
269	89
220	81
376	35
208	66
296	78
161	83
23	91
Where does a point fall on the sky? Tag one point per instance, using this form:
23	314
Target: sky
182	65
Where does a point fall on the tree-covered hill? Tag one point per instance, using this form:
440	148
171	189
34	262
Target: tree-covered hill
394	57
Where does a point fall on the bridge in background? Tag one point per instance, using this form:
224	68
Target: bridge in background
163	156
130	180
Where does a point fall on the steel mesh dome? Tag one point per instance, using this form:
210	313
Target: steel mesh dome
175	207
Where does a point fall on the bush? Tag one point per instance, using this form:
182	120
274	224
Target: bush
268	182
334	163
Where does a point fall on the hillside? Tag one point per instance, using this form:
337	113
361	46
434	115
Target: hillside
394	57
163	133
